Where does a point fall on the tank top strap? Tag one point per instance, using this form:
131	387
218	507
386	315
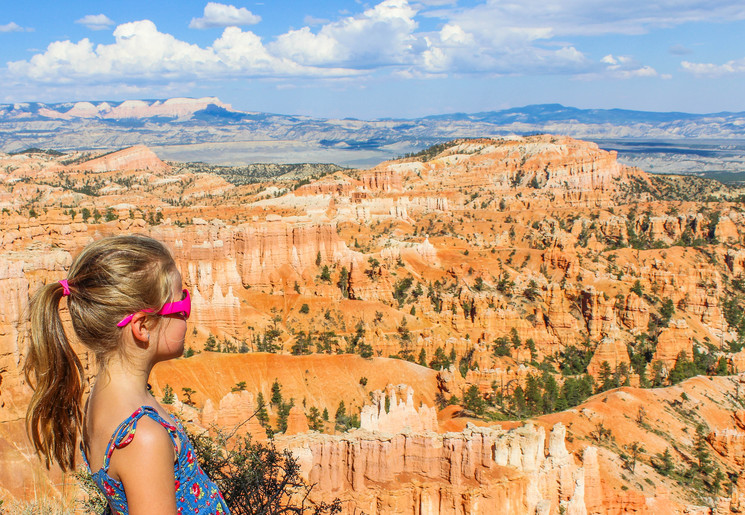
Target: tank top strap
125	432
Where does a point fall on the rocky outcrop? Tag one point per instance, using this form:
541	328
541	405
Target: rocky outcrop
730	444
479	471
672	341
598	313
236	410
138	157
382	180
726	230
609	350
331	186
297	422
389	415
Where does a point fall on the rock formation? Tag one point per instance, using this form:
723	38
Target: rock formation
389	415
138	157
492	263
477	471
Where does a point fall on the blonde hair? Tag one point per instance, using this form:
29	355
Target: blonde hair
108	280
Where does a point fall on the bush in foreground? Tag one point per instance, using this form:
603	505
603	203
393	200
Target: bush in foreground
254	478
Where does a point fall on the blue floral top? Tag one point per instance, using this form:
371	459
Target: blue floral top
196	494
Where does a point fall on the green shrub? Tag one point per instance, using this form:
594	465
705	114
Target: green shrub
256	478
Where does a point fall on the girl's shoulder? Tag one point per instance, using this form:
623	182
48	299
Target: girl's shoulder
113	431
144	442
141	458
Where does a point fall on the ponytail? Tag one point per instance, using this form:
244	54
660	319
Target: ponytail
109	279
53	370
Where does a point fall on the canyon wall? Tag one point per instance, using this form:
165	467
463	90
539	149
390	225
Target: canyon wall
478	471
487	263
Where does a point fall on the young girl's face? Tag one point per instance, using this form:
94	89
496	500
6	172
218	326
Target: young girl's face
172	328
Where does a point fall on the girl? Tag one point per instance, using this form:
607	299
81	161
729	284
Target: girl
127	307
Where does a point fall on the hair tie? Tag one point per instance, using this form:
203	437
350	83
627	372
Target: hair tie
65	287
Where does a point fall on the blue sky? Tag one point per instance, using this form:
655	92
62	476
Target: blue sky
393	58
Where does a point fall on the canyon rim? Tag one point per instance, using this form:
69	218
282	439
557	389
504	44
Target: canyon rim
512	325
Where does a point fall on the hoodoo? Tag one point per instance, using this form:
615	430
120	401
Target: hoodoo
493	325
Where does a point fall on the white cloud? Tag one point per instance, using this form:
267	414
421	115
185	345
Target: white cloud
622	67
379	36
141	53
715	70
591	17
12	27
221	15
96	21
642	71
385	38
480	49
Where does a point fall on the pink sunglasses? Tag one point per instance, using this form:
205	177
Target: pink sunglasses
181	307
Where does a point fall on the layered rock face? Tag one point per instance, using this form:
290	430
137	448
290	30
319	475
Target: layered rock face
233	411
543	161
388	414
138	157
478	471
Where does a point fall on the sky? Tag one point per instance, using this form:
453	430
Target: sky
388	59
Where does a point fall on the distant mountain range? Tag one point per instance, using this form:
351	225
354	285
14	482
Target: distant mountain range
210	130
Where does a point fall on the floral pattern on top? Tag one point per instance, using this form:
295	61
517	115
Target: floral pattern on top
196	494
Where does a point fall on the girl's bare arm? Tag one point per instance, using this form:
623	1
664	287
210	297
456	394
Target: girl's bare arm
145	467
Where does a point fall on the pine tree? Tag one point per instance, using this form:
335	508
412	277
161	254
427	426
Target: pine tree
423	357
621	376
473	401
404	337
636	450
341	414
605	377
325	274
314	419
302	343
168	396
530	345
276	399
239	387
211	343
657	373
722	368
440	361
518	401
701	451
515	339
188	392
716	481
343	283
664	462
550	393
283	414
261	414
533	397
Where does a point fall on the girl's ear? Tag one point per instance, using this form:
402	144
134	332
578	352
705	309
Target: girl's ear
139	329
